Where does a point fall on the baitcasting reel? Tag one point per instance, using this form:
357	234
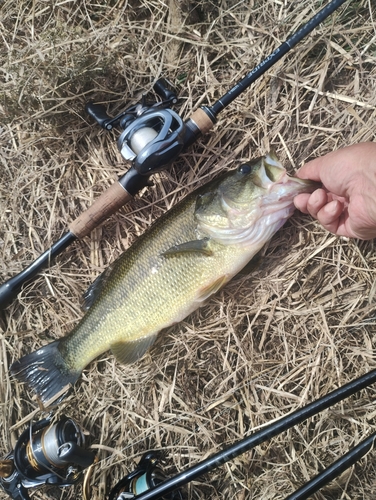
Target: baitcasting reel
46	453
153	134
147	475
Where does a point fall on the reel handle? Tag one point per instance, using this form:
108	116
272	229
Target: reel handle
137	177
161	87
111	200
99	113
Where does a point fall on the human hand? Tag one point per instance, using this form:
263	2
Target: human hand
346	203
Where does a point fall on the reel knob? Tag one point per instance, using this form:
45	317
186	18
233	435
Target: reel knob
98	112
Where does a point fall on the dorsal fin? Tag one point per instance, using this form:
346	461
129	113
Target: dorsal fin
94	290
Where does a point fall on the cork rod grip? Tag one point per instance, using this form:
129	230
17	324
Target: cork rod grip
202	120
107	204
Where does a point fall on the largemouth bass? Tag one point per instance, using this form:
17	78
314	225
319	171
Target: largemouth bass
186	256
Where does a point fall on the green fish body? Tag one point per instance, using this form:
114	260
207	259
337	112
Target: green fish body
186	256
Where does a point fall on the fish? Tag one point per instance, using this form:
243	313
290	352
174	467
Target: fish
185	257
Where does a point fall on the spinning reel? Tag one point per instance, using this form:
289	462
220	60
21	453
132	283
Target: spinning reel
147	475
153	134
46	453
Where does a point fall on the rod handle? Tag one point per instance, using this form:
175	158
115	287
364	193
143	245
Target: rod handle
203	121
107	204
199	123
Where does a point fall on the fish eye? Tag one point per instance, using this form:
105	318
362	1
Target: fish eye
245	169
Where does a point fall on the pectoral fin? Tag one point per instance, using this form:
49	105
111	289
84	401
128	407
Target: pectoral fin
196	246
209	290
131	350
252	265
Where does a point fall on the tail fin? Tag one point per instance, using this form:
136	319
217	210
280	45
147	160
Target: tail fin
45	372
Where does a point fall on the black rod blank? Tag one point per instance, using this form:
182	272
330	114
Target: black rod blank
12	287
259	437
274	57
334	470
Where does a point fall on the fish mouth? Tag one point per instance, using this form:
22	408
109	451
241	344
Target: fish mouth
273	167
272	173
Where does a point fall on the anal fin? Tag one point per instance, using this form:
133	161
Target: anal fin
130	351
209	290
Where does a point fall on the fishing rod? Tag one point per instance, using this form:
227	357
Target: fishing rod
153	136
149	474
334	470
53	451
138	487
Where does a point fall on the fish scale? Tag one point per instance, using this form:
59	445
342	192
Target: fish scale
179	262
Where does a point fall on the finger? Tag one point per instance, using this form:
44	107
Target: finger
312	169
340	170
300	202
347	227
330	216
316	202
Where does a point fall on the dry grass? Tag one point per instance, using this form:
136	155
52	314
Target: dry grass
300	325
